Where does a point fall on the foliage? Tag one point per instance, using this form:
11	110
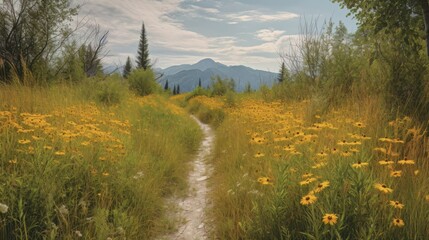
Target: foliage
400	17
230	99
332	66
282	174
220	87
198	91
143	60
72	64
283	74
91	57
213	115
248	88
111	91
142	82
72	168
166	88
32	32
127	68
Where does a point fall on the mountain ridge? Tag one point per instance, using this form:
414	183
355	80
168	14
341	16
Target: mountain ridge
187	76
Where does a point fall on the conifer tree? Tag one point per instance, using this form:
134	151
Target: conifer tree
178	89
166	85
127	68
174	90
199	82
143	60
284	74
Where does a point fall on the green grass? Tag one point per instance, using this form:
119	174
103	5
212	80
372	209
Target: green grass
91	169
243	208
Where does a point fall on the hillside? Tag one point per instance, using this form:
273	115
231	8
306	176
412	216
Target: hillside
187	75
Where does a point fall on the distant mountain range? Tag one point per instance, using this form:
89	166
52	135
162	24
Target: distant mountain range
187	75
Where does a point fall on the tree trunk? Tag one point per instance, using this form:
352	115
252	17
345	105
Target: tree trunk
425	7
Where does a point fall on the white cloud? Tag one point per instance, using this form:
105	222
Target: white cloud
173	42
269	35
207	10
257	16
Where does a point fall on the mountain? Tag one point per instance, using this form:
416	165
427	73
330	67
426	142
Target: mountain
188	75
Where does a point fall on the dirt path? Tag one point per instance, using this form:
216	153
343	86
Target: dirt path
192	208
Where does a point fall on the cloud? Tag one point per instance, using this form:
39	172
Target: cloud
205	9
257	16
124	23
269	35
171	41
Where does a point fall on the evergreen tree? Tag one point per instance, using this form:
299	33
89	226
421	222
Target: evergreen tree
127	68
166	85
248	88
143	60
284	74
174	90
199	82
178	89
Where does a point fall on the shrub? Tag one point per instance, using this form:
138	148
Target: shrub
230	100
211	116
199	91
142	82
221	86
110	92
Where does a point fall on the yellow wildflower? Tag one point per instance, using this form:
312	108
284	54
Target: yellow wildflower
406	161
307	175
396	204
359	124
397	222
46	147
307	181
383	188
330	218
396	173
24	141
386	162
265	181
359	164
321	186
60	153
308	199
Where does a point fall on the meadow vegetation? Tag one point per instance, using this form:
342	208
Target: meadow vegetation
90	161
337	150
280	168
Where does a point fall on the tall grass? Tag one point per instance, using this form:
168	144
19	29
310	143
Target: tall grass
73	167
270	156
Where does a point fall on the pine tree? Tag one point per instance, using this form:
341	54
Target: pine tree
199	82
166	85
284	74
127	68
143	60
174	90
178	89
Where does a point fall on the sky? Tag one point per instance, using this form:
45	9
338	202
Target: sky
239	32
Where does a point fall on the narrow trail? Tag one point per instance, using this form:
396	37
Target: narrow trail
192	207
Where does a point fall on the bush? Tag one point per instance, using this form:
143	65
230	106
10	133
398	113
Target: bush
199	91
110	91
142	82
213	117
230	100
221	86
